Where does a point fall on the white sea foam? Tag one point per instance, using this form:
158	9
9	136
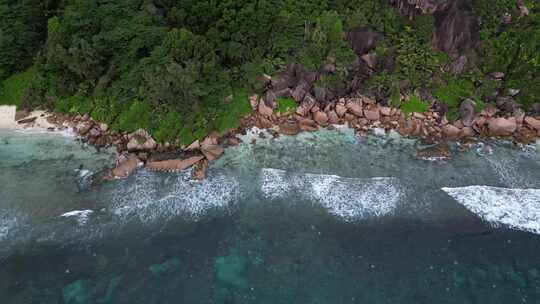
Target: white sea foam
150	197
514	208
80	215
347	198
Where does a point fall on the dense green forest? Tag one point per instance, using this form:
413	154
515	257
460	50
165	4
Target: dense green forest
184	68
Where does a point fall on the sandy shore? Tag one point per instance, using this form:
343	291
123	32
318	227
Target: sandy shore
7	120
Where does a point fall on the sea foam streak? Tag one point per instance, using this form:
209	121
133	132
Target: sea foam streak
150	198
348	198
80	215
515	208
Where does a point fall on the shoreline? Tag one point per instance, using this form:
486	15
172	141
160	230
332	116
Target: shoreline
361	114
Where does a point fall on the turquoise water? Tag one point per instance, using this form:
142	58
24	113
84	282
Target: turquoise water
323	217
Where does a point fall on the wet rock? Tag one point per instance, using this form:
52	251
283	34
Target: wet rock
533	122
467	110
333	117
437	152
306	105
341	109
308	125
200	170
321	118
83	128
467	132
26	120
212	152
502	126
355	107
289	127
372	113
126	166
451	132
173	165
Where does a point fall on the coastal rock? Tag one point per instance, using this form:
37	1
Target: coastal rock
467	132
193	146
308	125
333	117
321	118
212	152
264	109
385	111
200	170
173	165
451	131
502	126
467	110
289	127
341	109
355	107
533	122
306	105
437	152
372	113
126	166
254	102
140	140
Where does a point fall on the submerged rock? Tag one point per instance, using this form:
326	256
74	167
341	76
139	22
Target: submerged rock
167	267
78	292
230	269
437	152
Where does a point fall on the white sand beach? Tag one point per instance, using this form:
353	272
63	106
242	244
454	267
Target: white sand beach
7	119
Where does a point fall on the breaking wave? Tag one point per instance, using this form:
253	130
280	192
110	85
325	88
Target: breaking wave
149	197
515	208
347	198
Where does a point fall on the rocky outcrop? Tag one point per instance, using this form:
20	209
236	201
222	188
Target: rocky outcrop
125	167
141	140
412	8
467	111
457	29
362	39
173	165
502	126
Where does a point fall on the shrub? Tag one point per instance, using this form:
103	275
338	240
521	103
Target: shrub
286	105
415	104
13	89
170	126
137	116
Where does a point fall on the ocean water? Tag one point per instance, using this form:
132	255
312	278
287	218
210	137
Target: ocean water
324	217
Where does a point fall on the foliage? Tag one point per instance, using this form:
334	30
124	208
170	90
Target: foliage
417	61
286	105
415	104
13	88
454	92
516	52
136	116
